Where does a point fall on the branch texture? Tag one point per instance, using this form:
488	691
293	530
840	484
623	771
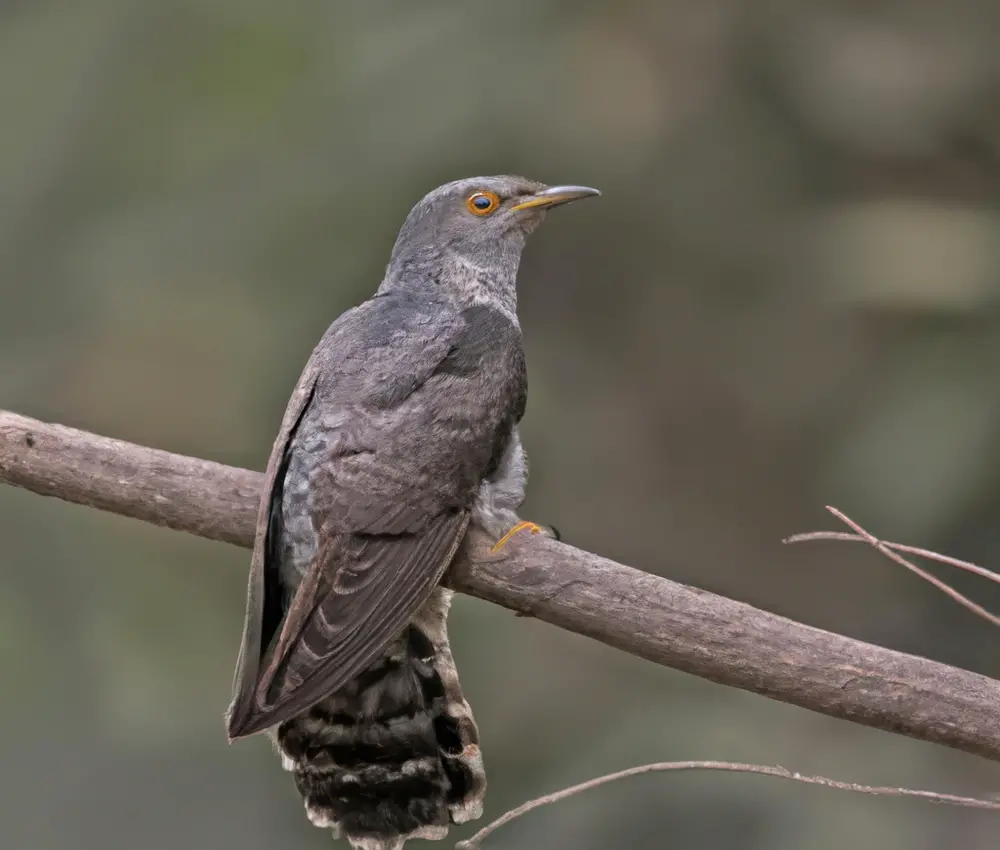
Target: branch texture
640	613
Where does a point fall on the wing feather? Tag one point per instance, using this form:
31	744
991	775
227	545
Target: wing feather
260	604
361	588
335	628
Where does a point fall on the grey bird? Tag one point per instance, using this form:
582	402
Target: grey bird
401	431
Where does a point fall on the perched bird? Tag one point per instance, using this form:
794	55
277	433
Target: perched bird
401	431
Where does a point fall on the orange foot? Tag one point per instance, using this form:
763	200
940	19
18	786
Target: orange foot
521	526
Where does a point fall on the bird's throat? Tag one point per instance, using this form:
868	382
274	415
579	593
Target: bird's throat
457	277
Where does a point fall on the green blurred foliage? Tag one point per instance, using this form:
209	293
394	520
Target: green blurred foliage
786	298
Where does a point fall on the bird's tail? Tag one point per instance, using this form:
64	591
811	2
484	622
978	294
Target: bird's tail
395	753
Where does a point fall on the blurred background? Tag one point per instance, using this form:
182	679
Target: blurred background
786	298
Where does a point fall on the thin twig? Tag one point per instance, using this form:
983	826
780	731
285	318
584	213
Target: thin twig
892	550
765	770
931	555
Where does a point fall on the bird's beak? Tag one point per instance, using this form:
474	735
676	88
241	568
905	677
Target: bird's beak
555	195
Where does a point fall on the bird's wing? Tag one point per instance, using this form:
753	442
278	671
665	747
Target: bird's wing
357	597
377	560
263	609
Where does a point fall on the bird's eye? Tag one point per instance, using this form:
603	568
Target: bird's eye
482	203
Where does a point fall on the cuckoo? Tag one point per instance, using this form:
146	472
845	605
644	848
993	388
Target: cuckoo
401	431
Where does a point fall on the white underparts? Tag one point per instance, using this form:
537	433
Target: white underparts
500	496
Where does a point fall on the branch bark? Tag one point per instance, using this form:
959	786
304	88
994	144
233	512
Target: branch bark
651	617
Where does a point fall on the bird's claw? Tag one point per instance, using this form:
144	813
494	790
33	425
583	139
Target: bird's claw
534	528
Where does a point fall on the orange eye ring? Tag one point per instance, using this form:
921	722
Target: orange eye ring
482	203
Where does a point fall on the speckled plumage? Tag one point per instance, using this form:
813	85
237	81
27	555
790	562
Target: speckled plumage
401	431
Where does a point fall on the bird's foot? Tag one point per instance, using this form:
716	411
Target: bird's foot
533	527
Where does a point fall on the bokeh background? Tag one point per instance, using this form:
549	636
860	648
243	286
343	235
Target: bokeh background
786	298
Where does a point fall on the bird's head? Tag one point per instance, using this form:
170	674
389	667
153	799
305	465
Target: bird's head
477	223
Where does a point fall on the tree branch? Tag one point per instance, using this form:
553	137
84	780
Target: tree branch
640	613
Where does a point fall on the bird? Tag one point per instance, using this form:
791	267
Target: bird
400	434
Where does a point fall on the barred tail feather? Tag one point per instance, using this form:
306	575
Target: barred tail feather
395	753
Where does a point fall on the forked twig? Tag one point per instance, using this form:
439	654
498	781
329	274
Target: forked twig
892	550
733	767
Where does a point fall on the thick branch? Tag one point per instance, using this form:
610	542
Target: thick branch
645	615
